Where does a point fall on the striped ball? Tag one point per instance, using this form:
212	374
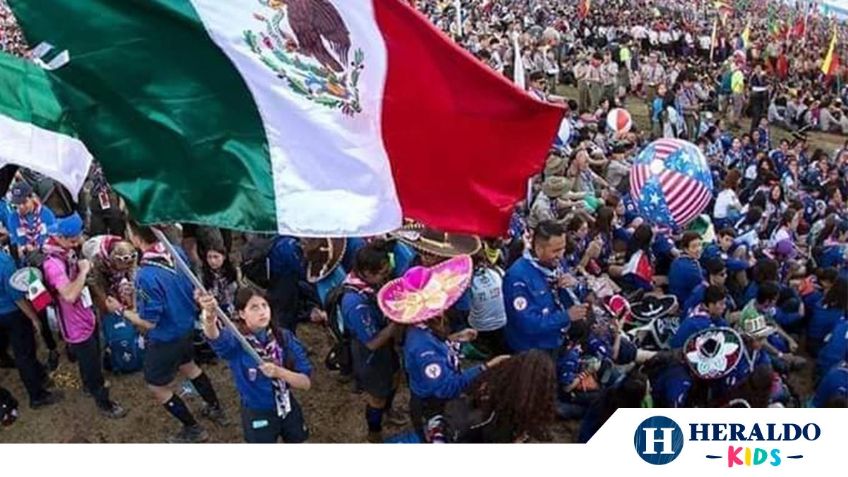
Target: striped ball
619	121
670	183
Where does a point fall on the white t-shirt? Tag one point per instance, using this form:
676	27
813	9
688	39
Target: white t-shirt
487	302
725	201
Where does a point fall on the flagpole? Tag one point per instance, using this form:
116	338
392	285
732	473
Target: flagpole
182	267
458	8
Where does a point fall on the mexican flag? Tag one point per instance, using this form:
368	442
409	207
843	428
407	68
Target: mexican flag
304	117
35	131
37	293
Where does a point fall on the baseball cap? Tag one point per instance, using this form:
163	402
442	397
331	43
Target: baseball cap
67	227
21	191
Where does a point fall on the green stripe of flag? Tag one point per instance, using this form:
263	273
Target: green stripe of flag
161	107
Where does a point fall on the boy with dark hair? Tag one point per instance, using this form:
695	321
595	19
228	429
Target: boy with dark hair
166	310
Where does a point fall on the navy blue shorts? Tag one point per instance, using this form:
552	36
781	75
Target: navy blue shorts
162	361
266	427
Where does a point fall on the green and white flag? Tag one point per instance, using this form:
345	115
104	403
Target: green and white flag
35	131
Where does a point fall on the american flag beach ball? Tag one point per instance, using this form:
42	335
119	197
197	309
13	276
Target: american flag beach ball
619	121
670	183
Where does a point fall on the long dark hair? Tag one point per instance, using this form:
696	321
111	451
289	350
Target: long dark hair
243	296
520	392
227	268
837	296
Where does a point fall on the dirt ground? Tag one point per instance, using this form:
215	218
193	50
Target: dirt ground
335	414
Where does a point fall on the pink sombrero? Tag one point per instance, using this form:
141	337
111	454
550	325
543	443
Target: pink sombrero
423	293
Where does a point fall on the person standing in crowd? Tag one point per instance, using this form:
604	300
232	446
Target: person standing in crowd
376	364
609	78
430	353
66	276
759	96
19	322
488	313
104	206
689	105
269	410
220	277
539	303
653	75
29	223
166	311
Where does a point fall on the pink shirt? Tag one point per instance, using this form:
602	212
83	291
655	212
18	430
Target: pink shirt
76	320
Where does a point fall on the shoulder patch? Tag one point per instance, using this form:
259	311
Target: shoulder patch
433	371
520	303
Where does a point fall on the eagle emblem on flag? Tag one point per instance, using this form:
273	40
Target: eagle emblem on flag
307	44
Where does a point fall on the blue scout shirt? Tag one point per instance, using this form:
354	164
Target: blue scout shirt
17	228
822	320
685	274
362	317
255	390
8	295
536	315
670	388
834	384
835	348
165	298
433	366
697	321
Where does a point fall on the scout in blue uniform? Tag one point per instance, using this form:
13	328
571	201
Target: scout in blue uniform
303	271
716	276
834	348
833	388
431	356
28	224
685	273
826	313
376	365
710	313
538	304
269	410
166	310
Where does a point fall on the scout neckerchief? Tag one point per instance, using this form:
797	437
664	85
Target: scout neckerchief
158	256
223	290
68	257
551	276
31	224
271	351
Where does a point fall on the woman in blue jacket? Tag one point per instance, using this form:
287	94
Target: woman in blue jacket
269	410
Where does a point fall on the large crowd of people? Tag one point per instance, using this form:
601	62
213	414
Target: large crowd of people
581	307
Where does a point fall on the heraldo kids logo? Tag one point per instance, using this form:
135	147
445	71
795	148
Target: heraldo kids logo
659	440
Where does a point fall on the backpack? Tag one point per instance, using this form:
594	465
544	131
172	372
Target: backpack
339	358
255	261
124	345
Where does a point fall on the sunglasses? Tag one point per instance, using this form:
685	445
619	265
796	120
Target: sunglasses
125	259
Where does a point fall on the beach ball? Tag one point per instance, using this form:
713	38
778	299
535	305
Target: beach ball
619	121
670	183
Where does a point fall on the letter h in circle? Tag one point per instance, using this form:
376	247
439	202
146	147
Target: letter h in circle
651	440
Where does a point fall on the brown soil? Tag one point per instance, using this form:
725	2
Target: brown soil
334	413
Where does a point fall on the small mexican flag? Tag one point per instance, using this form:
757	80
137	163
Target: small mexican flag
37	293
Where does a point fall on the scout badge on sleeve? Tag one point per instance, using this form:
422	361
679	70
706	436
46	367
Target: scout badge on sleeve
29	281
423	293
713	353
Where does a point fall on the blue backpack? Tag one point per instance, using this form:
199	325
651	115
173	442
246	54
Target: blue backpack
124	351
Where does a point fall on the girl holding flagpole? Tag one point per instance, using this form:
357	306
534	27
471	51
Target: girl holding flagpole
269	410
